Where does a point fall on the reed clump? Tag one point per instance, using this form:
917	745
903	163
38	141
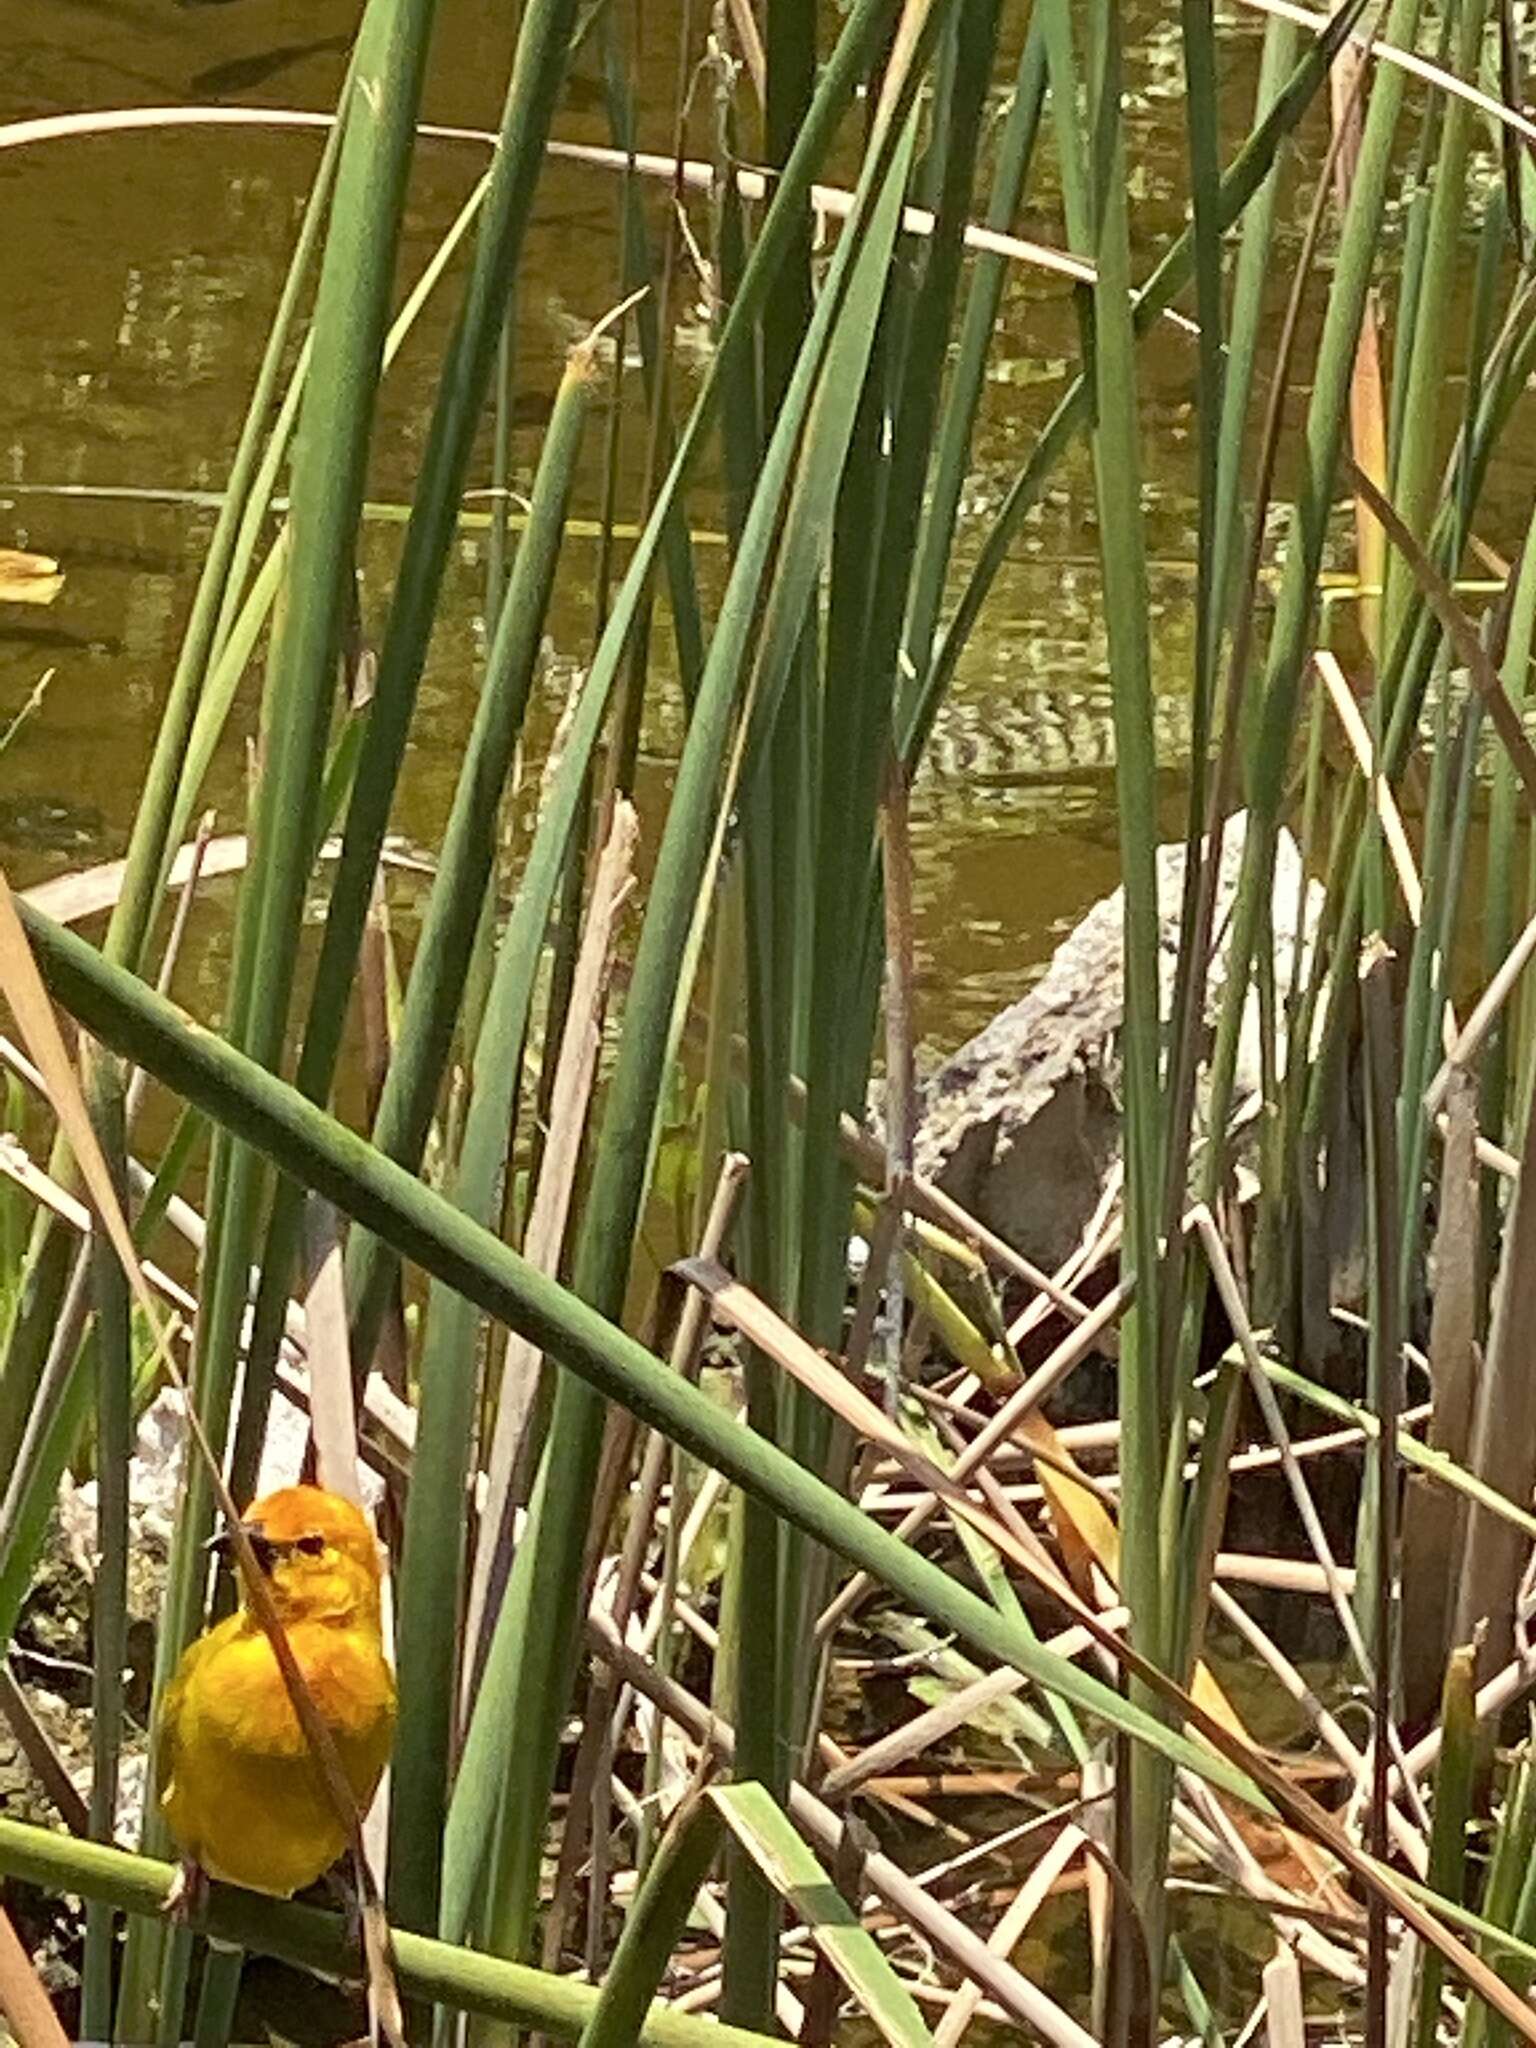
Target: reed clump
770	1648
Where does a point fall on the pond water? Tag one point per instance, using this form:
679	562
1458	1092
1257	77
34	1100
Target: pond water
141	270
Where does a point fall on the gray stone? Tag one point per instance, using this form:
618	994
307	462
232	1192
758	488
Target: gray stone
1022	1124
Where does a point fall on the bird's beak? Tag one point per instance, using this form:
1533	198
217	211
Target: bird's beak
223	1545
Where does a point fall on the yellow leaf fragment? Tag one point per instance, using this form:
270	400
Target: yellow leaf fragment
28	579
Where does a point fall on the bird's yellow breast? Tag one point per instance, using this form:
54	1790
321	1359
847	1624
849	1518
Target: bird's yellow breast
238	1785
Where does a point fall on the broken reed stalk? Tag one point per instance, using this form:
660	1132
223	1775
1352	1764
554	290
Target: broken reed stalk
1386	1374
901	1103
1022	2000
575	1075
997	1430
604	1706
1231	1299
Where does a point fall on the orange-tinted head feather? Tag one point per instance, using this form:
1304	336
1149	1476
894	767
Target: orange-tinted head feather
294	1512
320	1555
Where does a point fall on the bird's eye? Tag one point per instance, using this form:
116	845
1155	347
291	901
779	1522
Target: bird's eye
311	1546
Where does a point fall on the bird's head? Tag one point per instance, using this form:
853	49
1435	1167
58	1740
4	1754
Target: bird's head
319	1555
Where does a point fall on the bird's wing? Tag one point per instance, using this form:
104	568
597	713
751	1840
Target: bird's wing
181	1701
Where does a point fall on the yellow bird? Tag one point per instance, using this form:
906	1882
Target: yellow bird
239	1787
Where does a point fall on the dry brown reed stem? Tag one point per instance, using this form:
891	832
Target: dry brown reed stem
1510	118
84	893
1073	1347
704	1993
1207	1825
687	1346
1237	1315
934	1723
737	1305
833	1757
991	1490
333	1416
1282	1574
744	22
16	1166
1408	1840
70	1327
667	1604
993	1847
1494	1157
1465	1046
393	1418
1459	630
1010	1930
1101	1238
575	1074
883	1270
790	2013
1023	2001
606	1706
386	1413
1285	2016
1100	1241
37	1746
1103	1436
1496	1697
701	175
798	1958
1342	698
1301	1909
26	2006
1367	412
866	1155
180	1216
957	1785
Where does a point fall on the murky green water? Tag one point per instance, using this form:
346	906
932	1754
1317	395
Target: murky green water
140	272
